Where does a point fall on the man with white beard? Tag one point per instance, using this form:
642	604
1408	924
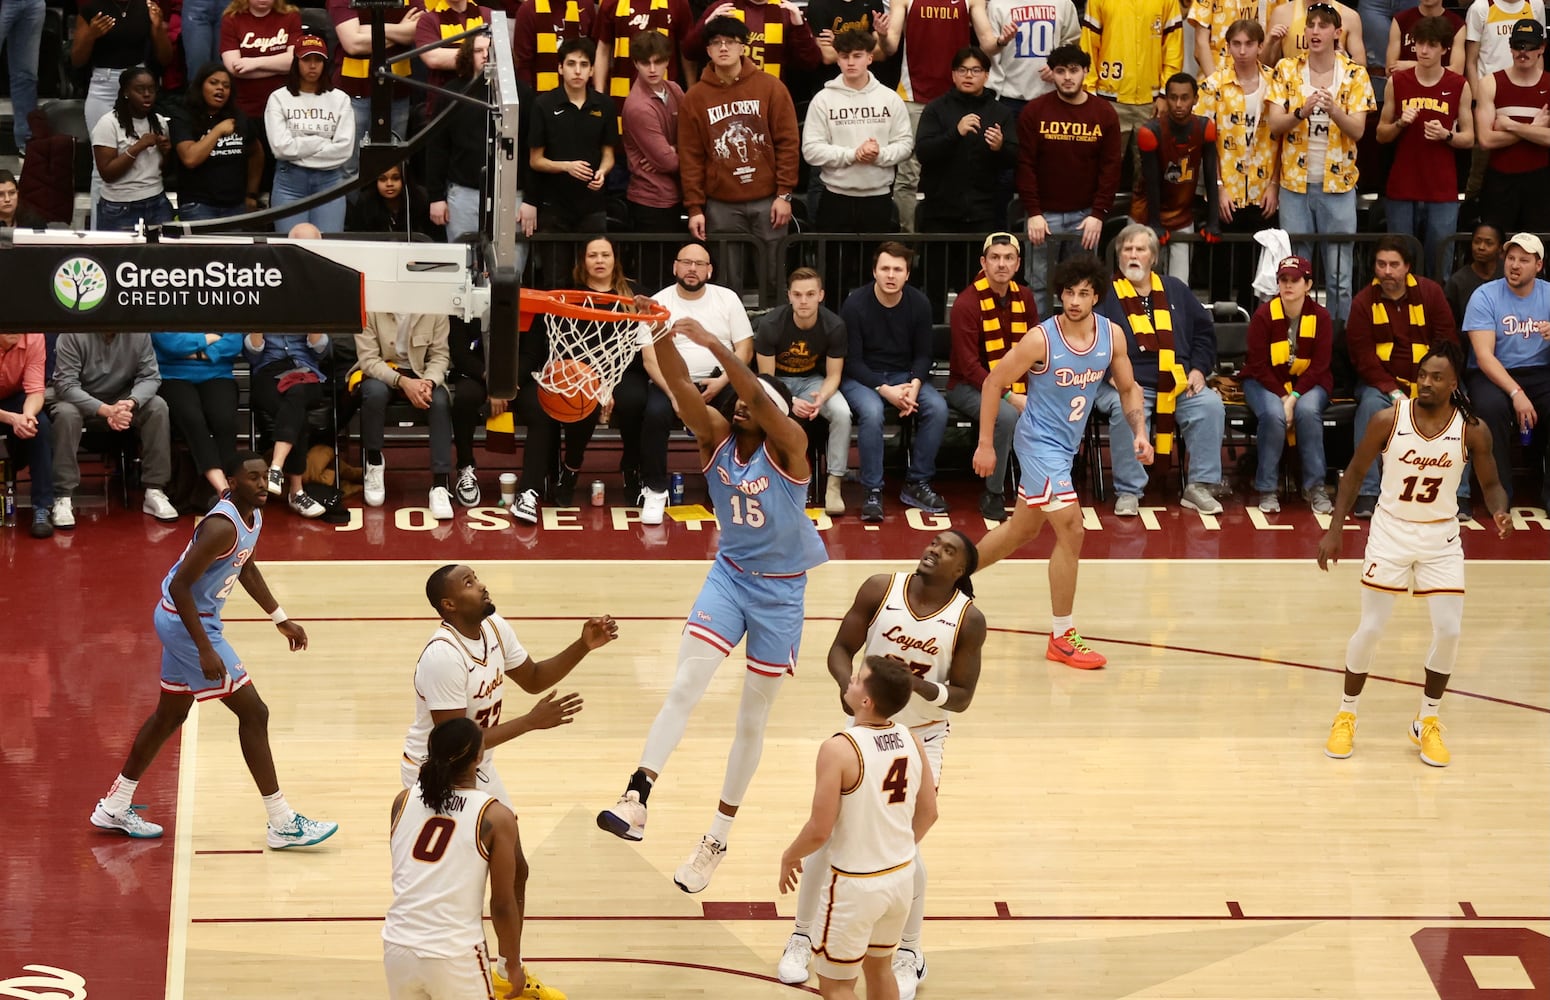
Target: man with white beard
1172	343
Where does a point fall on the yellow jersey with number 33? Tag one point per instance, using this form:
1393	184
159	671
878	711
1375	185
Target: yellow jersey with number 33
1135	45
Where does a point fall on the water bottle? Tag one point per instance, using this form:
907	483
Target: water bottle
1525	434
8	509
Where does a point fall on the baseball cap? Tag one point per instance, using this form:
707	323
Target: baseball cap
1526	34
1000	239
311	45
1295	265
1530	243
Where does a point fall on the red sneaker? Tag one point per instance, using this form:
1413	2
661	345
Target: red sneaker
1072	650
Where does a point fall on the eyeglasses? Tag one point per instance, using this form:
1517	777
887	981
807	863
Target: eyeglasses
686	262
969	70
723	43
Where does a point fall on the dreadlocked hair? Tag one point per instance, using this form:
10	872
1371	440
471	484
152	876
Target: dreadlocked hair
452	746
121	111
1453	354
971	563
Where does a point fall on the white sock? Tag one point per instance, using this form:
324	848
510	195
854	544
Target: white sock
1348	702
1062	625
1430	706
121	795
721	828
910	939
815	871
280	813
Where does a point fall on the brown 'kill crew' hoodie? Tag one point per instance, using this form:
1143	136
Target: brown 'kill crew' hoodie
738	141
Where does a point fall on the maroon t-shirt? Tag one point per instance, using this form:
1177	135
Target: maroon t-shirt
352	74
253	36
1407	19
1520	104
1428	171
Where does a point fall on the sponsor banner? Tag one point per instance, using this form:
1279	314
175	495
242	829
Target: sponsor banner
209	288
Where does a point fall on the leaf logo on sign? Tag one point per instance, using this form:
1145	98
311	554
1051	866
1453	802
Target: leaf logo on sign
56	984
80	284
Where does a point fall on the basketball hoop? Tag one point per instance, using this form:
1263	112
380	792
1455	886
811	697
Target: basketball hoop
602	331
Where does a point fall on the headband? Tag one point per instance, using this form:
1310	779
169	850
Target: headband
776	398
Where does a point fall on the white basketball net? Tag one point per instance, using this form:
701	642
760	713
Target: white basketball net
607	347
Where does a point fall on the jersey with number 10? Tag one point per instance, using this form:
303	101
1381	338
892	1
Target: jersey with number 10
1061	393
215	584
762	513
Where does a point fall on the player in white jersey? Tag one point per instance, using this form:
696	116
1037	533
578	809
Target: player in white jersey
871	807
1413	543
926	620
462	672
446	840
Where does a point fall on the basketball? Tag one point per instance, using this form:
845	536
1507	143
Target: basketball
580	401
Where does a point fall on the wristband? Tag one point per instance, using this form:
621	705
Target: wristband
1514	392
278	615
1296	394
941	696
1006	395
1396	395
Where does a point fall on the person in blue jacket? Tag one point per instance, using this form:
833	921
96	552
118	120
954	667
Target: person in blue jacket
201	396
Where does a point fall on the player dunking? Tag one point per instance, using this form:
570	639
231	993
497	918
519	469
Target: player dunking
871	807
1067	358
446	839
1413	543
757	472
461	673
198	664
926	620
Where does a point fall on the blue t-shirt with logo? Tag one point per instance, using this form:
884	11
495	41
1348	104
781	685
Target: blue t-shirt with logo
1494	306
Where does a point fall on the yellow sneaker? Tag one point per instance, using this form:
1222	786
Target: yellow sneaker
532	989
1341	735
501	984
1427	734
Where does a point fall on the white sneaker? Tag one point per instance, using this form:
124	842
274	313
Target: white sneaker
129	821
1127	505
1197	496
909	969
694	875
526	507
375	482
276	481
158	506
64	514
441	503
467	486
652	504
792	969
303	503
300	832
627	819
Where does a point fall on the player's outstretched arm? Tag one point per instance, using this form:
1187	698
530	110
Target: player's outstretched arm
1132	401
963	675
839	767
253	582
925	798
851	637
708	427
1477	437
1378	431
508	887
1032	350
787	437
534	676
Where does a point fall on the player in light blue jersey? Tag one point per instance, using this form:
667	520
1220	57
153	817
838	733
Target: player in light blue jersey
1067	358
756	467
198	664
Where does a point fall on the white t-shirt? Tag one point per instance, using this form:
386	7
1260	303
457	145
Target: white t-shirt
719	310
1489	22
1253	107
1319	124
143	180
1042	26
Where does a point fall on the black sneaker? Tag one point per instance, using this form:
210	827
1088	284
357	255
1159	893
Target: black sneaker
632	482
993	506
565	488
1365	505
872	509
1466	509
923	496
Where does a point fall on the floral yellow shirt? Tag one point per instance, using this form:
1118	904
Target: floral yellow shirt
1247	153
1216	16
1353	94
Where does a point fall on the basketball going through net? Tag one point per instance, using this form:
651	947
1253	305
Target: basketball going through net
593	338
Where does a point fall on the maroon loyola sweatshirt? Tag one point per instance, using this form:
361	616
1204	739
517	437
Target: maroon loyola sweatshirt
1068	156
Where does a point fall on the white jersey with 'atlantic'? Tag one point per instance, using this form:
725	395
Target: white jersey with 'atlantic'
1421	474
921	639
440	868
875	830
456	672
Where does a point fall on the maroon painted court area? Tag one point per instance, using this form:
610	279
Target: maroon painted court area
81	660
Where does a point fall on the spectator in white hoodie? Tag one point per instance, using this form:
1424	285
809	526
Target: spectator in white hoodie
857	133
311	130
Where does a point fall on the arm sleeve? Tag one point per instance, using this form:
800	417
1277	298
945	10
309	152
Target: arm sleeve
1151	174
766	336
1110	155
1440	313
440	679
805	53
965	360
438	154
368	352
438	356
920	336
855	356
691	157
934	140
816	147
1173	49
282	142
67	374
1256	357
1202	330
1480	314
1318	372
1027	163
1092	44
338	147
644	126
33	380
1209	169
173	346
901	140
1364	355
788	140
147	374
838	339
693	44
225	350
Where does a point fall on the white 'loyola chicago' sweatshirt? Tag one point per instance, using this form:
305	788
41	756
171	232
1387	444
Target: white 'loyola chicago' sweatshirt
839	119
316	131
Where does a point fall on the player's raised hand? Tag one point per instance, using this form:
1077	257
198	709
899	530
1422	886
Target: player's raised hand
790	868
554	709
294	634
1329	547
599	631
694	331
1503	521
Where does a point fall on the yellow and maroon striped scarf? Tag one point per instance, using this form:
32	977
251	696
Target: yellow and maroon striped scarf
1286	367
1155	333
996	341
1403	364
546	65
